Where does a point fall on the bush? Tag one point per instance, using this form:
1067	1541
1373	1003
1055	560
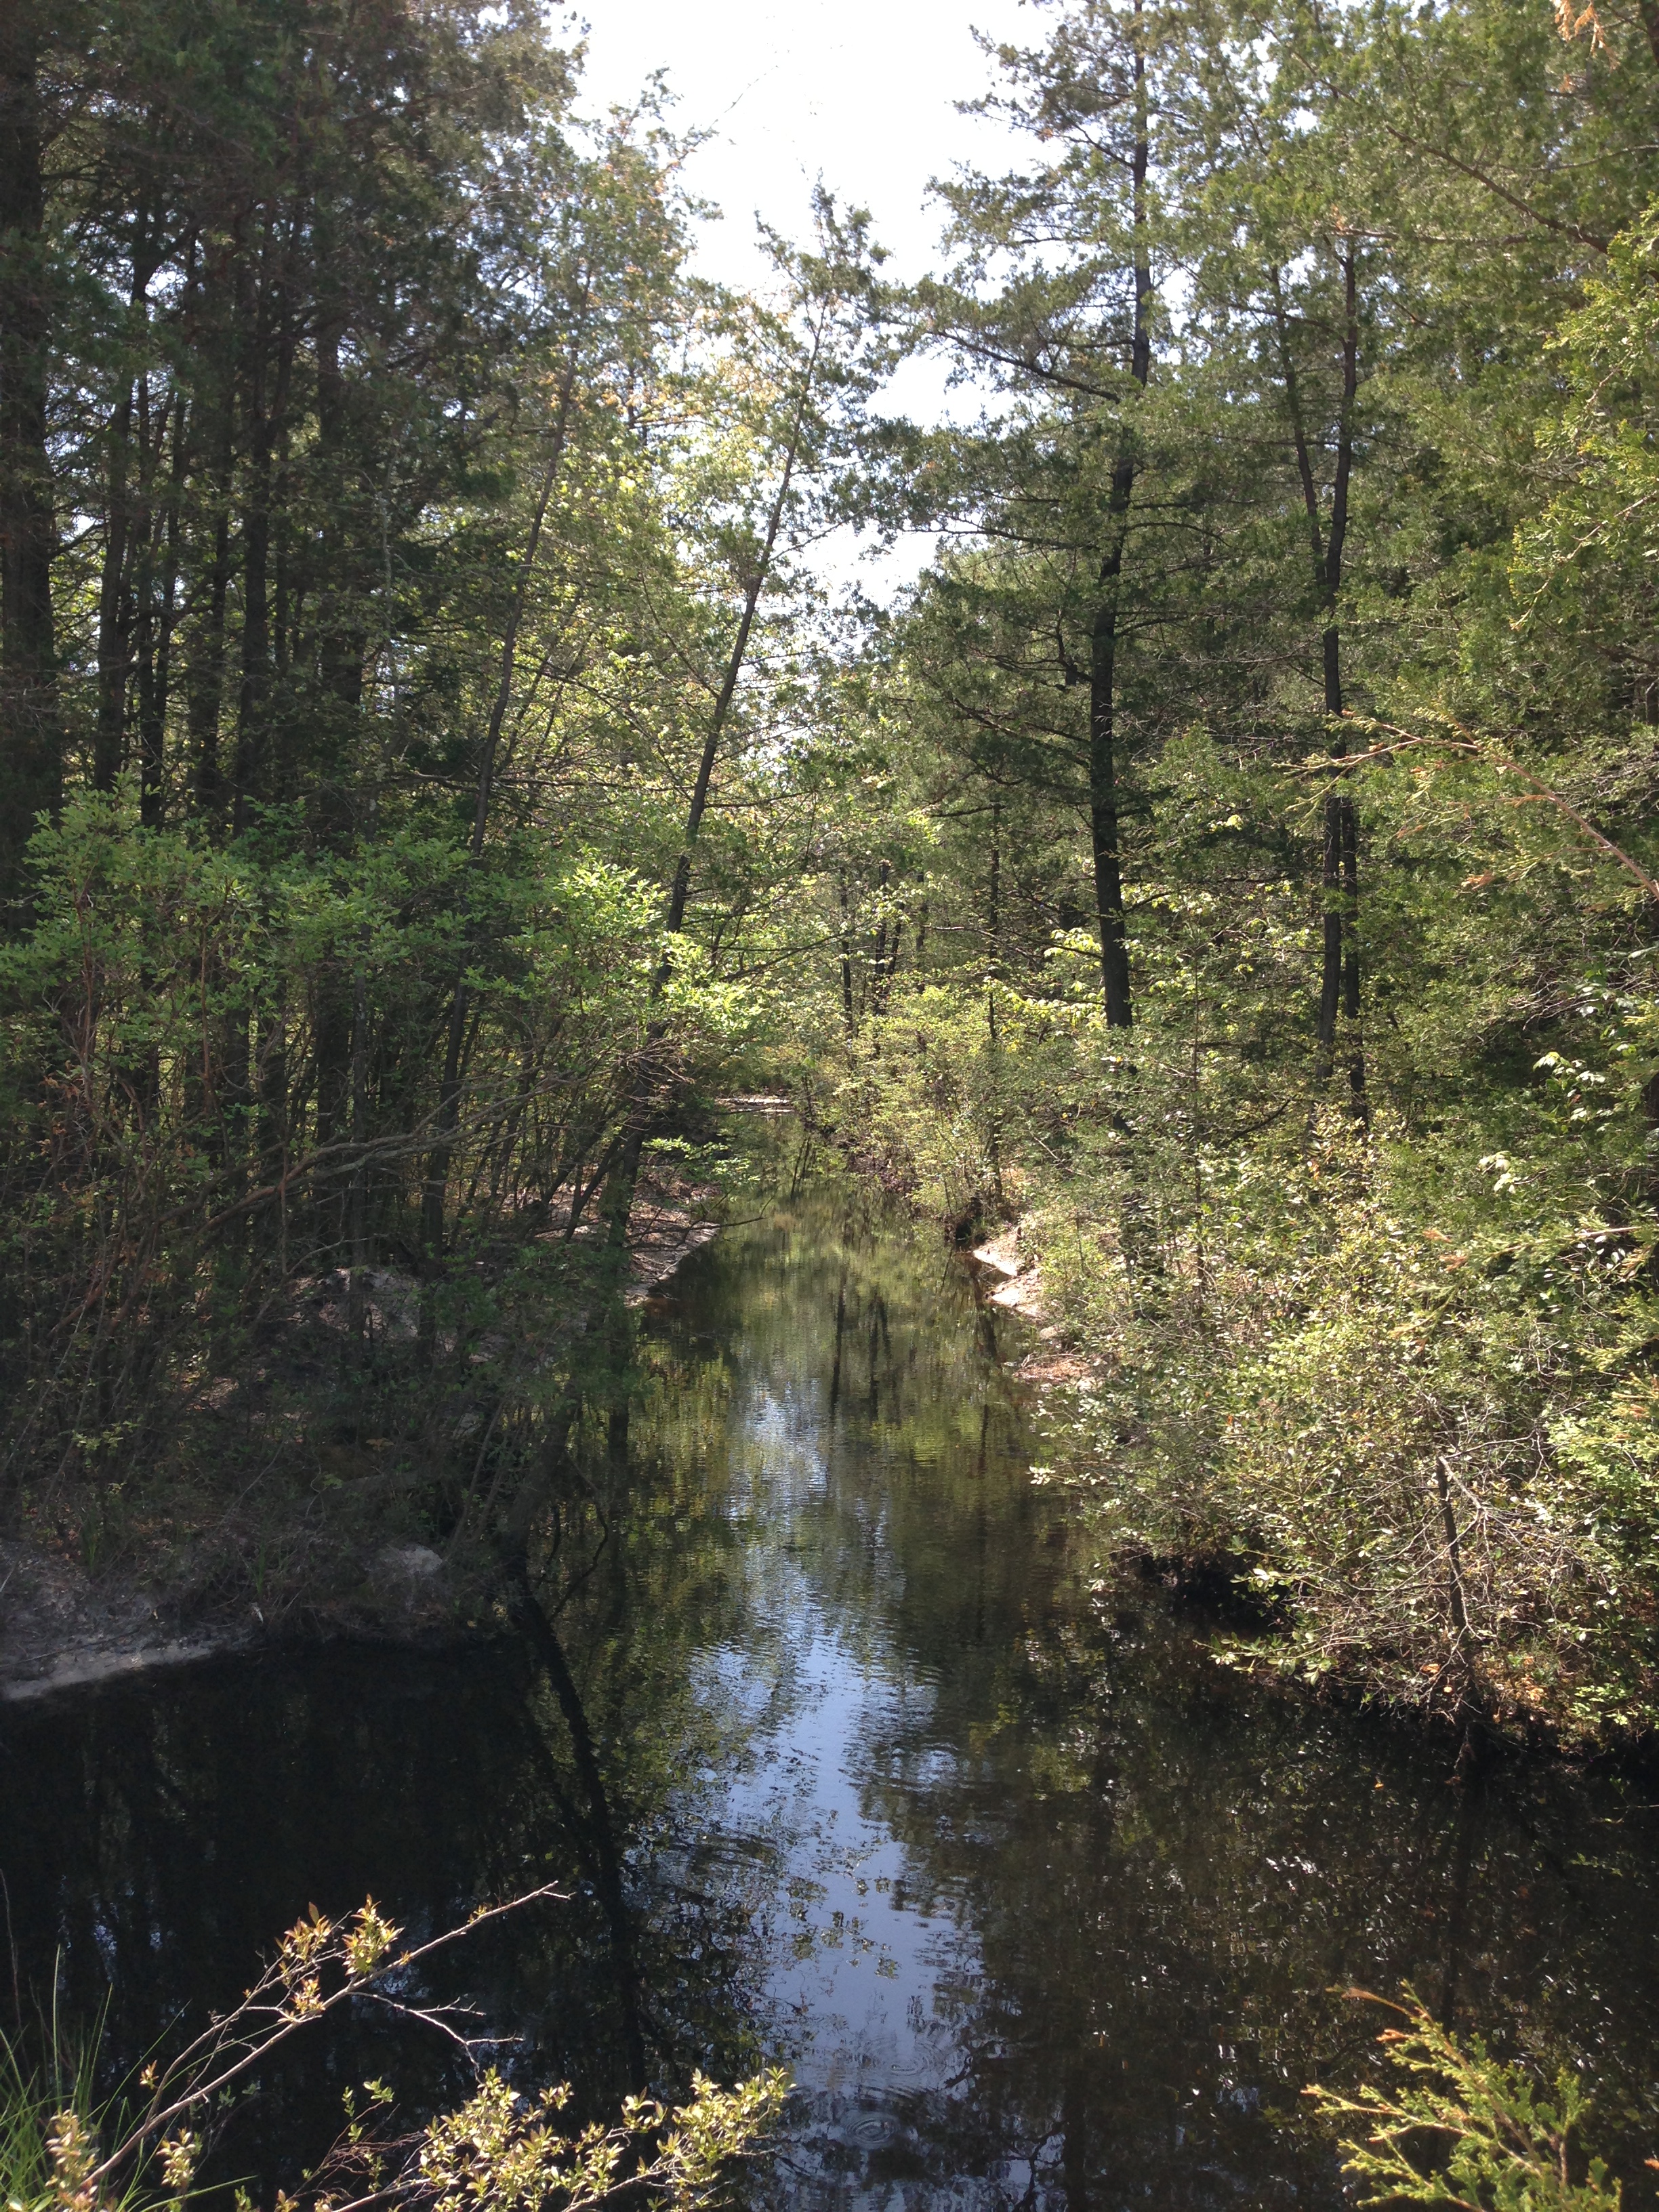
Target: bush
1458	2128
63	2149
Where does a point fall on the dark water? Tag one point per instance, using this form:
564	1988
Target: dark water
856	1762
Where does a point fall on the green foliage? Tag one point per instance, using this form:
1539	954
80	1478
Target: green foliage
1458	2128
62	2150
364	956
1314	602
1236	857
1301	1328
46	2125
497	2154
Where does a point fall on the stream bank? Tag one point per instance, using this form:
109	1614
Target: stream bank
368	1573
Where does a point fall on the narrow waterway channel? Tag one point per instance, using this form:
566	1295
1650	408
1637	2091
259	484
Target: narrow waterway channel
856	1759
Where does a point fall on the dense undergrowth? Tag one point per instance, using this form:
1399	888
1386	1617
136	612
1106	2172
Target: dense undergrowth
1386	1376
1382	1365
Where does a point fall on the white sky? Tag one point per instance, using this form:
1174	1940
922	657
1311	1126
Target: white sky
859	91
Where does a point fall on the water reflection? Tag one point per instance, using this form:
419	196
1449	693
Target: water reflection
841	1755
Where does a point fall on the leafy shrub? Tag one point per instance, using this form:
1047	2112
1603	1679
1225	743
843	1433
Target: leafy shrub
1457	2128
63	2149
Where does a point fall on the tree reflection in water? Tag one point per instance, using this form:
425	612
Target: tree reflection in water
841	1755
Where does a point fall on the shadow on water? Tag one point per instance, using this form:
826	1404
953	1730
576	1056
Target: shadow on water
843	1751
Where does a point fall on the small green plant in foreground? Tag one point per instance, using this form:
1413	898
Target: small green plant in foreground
61	2150
502	2153
46	2121
1458	2129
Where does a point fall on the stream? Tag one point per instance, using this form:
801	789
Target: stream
854	1757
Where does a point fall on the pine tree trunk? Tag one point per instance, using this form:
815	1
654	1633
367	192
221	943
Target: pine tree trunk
1103	638
1102	805
31	729
1339	984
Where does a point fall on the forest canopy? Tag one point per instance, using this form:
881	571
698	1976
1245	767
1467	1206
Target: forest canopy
437	778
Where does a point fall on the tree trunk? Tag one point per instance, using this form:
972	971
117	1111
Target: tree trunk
270	341
1102	798
215	434
357	1300
31	728
740	652
253	695
1339	991
205	698
341	640
848	1018
619	1194
993	1041
157	598
114	600
449	1089
1103	822
339	653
